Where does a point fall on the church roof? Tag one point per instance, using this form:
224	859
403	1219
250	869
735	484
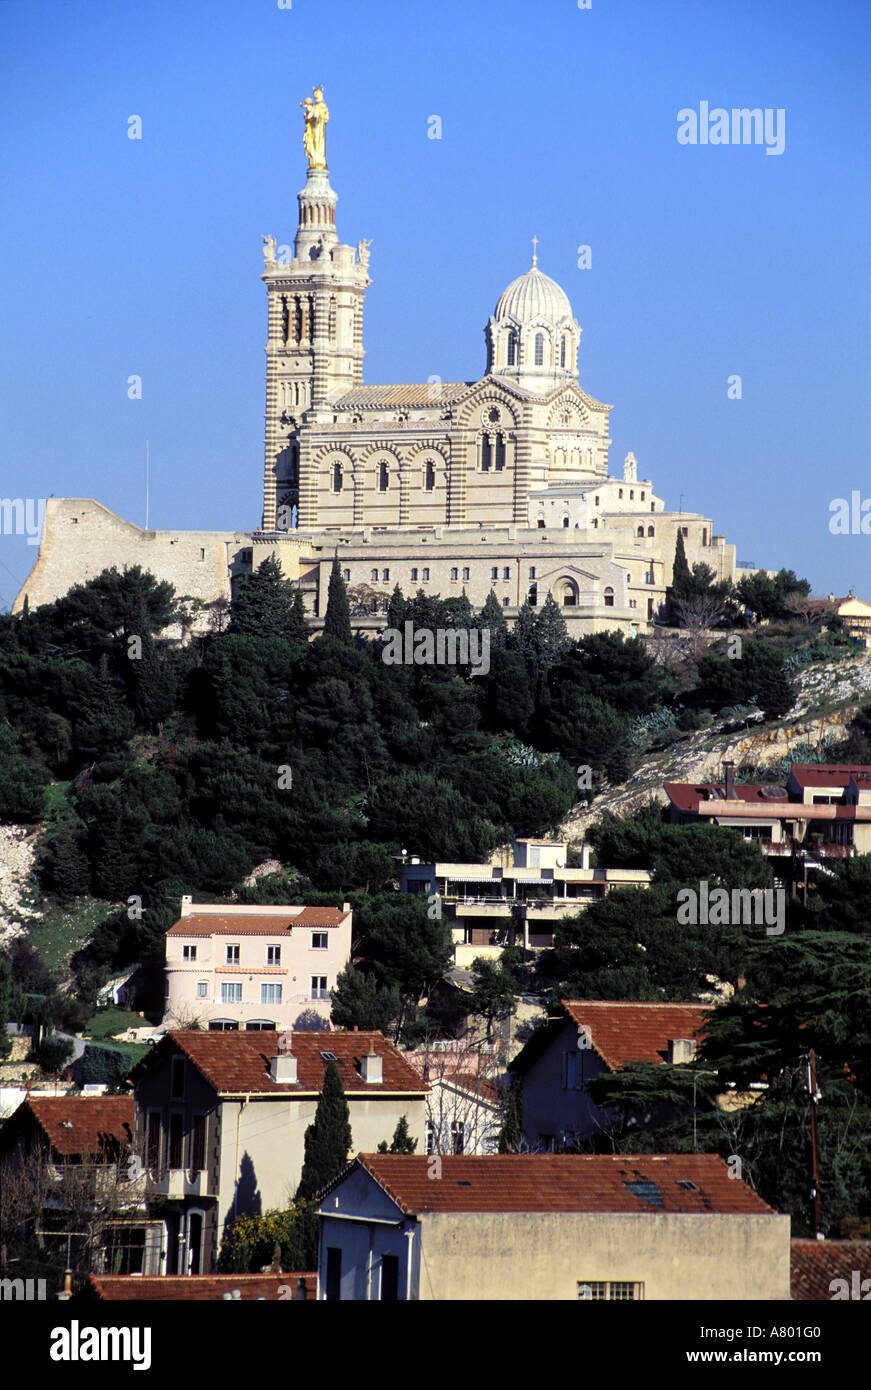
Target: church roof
414	393
532	296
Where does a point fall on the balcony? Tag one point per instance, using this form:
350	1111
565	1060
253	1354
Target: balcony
176	1183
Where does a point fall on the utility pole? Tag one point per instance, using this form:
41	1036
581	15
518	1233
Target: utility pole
815	1096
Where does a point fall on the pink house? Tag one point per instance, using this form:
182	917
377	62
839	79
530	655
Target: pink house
249	967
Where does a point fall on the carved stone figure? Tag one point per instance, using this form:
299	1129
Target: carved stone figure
314	137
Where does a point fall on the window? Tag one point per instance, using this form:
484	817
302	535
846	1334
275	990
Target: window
597	501
609	598
374	576
346	575
506	572
152	1140
532	595
425	574
541	523
632	494
685	530
389	1278
458	1137
512	349
334	1273
466	573
430	1137
176	1138
565	522
414	574
620	492
562	351
203	989
260	1025
319	940
455	574
273	955
198	1142
615	1291
232	955
337	477
494	573
704	535
651	531
539	349
231	994
383	477
319	987
653	506
189	952
506	602
429	476
223	1025
177	1084
532	571
385	575
270	994
641	531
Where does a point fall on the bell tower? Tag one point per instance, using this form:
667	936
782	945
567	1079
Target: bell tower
314	348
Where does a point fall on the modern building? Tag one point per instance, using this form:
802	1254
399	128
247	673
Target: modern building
219	1123
823	813
488	904
615	1228
497	483
585	1038
232	967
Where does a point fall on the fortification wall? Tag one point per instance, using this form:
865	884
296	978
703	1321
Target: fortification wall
81	537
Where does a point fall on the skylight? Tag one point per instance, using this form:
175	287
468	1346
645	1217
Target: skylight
648	1192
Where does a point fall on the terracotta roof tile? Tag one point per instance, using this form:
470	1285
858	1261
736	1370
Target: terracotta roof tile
196	1288
76	1125
694	1184
414	393
814	1264
258	924
829	774
237	1063
622	1033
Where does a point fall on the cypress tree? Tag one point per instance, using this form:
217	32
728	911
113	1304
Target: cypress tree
492	617
550	634
680	579
397	609
328	1139
402	1142
337	620
511	1133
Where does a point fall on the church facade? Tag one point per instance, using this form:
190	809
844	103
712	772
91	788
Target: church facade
449	487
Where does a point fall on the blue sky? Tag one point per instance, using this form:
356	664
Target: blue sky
143	256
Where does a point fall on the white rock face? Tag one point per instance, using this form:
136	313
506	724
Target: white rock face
17	855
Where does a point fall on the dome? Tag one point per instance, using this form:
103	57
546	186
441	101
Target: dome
532	296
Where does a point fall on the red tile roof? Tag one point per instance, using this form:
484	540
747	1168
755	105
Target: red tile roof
238	1063
197	1287
829	774
77	1125
687	796
633	1183
622	1033
814	1264
257	924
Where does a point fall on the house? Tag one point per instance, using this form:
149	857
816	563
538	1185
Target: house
616	1228
831	1270
219	1123
199	1288
490	906
464	1104
855	613
69	1159
586	1038
250	967
823	813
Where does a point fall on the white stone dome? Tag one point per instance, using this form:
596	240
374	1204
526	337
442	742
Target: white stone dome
533	296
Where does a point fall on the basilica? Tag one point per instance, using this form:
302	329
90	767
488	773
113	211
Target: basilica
448	487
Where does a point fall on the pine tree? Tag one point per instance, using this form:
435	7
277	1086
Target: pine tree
492	617
265	604
328	1139
397	609
337	620
550	634
511	1133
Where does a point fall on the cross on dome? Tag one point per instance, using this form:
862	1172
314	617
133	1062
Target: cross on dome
534	251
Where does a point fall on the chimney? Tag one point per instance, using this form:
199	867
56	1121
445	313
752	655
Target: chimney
681	1050
729	773
371	1067
187	903
282	1069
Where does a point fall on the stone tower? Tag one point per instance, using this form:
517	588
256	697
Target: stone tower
314	344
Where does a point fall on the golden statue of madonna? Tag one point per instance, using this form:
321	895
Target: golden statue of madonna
314	140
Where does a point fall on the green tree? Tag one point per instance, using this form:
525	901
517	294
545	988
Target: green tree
492	617
265	604
251	1242
360	1002
328	1144
511	1133
402	1142
680	574
337	619
494	991
550	635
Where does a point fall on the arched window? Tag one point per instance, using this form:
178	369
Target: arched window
609	598
562	351
539	349
486	453
641	530
337	477
651	531
429	475
383	477
565	521
532	595
512	349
